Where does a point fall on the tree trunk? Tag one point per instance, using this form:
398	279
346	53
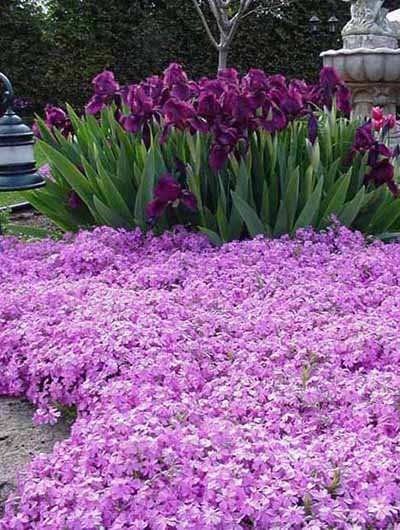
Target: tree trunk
222	58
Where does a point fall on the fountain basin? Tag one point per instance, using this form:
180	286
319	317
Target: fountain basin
362	65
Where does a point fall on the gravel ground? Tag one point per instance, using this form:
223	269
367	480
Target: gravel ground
20	441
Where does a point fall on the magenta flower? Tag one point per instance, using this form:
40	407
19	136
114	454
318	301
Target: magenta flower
175	74
105	84
343	99
364	139
56	118
169	192
45	172
167	189
329	79
383	173
95	105
312	129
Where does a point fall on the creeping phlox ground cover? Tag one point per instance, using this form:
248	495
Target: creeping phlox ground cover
252	386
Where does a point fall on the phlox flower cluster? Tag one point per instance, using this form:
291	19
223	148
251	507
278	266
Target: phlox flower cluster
255	385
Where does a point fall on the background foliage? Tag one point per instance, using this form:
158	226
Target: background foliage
52	54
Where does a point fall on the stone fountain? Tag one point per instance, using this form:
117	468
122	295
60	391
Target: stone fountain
370	58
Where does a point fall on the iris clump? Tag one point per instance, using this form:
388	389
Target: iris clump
245	155
251	386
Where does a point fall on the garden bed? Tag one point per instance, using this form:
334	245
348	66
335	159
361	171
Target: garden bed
252	386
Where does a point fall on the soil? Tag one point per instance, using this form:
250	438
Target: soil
33	219
20	441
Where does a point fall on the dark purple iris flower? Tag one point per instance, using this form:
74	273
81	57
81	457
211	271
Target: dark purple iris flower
364	138
175	74
312	129
383	173
178	112
219	155
229	76
273	118
105	84
105	88
377	150
74	201
228	107
292	104
255	81
56	118
329	78
209	105
213	86
277	81
343	99
169	192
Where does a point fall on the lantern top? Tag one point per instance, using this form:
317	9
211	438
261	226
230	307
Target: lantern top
13	129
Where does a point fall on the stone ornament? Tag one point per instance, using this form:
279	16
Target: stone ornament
369	17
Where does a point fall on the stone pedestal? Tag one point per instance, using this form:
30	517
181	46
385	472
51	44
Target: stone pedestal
365	97
369	61
373	75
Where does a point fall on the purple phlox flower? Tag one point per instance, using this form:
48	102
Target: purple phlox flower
45	172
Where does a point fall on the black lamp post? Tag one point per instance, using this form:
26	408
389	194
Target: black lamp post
316	25
17	162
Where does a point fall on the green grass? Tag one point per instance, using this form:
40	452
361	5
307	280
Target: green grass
9	198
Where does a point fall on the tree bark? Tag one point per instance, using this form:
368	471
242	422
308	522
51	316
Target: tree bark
222	59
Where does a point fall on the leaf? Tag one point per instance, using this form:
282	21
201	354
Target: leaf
335	200
288	206
352	208
212	236
311	209
386	218
110	216
145	191
249	216
70	172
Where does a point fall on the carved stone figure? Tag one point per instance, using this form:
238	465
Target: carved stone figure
369	17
